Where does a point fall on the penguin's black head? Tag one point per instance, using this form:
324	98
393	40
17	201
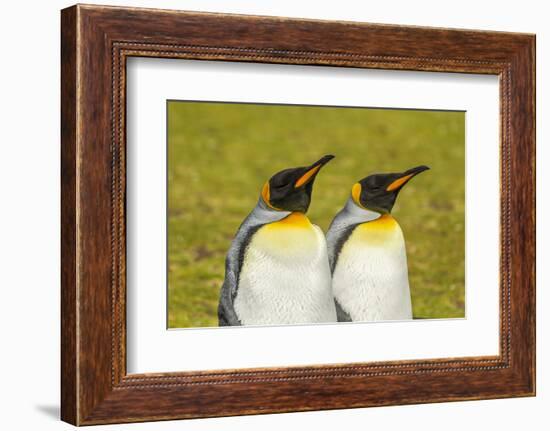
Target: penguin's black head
290	189
378	192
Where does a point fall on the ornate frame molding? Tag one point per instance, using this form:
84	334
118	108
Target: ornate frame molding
96	41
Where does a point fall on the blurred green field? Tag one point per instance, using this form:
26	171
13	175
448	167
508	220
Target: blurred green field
220	155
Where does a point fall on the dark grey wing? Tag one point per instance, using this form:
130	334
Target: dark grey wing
259	216
342	227
336	241
341	314
226	312
233	263
340	230
337	244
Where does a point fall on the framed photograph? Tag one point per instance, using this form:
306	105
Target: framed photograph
266	215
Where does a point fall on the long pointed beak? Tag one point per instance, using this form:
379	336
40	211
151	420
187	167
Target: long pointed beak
406	176
309	175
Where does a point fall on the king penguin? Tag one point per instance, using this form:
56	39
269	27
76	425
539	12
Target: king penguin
367	253
277	269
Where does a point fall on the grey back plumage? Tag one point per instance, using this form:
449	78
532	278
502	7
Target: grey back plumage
260	215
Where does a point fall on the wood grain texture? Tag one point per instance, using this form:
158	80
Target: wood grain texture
69	397
96	41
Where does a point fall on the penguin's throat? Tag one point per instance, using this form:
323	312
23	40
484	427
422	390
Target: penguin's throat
383	231
384	222
293	220
293	237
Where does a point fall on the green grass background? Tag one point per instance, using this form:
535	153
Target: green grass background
220	155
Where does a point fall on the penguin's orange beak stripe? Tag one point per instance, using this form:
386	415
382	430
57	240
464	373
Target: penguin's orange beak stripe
307	176
399	182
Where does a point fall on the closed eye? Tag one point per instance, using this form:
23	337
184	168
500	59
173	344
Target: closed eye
280	186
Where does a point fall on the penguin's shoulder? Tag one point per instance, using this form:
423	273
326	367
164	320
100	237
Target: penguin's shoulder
244	244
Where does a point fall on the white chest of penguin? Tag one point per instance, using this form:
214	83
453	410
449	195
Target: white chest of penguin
285	276
370	279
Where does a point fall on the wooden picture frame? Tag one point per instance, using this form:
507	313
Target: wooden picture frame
95	43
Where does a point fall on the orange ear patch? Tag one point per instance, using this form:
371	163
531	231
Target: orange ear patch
399	182
307	176
266	196
265	192
356	194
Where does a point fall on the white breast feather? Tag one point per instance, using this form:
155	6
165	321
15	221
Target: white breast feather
370	280
285	279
